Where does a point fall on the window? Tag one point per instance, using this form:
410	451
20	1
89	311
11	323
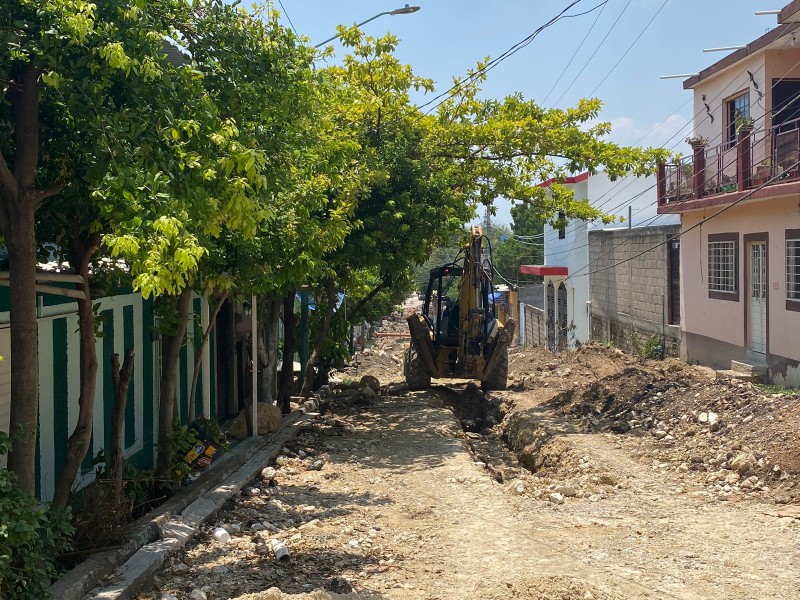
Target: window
736	109
723	266
562	232
793	269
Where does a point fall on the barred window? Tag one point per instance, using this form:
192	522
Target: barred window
793	269
722	266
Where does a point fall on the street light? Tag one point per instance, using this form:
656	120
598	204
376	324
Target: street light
406	10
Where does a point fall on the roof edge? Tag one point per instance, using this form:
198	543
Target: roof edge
753	47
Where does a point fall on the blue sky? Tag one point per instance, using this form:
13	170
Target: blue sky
447	37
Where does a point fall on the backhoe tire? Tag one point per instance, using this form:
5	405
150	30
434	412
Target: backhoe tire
498	378
417	377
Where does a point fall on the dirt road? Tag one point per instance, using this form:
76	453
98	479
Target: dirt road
646	480
399	508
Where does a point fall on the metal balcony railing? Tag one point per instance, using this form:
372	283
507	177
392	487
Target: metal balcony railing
758	157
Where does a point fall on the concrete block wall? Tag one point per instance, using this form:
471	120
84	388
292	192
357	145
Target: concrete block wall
534	326
629	287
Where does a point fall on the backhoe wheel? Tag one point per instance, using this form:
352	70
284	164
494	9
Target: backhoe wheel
417	377
498	378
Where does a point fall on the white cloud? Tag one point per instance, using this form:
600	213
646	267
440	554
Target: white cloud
668	133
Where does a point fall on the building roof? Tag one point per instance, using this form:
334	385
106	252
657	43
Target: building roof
175	55
788	22
573	179
543	270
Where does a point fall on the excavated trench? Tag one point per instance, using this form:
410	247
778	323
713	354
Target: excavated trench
530	439
481	417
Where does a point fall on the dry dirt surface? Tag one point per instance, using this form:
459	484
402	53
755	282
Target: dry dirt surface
596	476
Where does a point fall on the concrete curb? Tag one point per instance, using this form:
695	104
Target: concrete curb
174	522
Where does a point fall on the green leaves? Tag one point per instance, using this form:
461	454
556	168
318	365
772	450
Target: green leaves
30	539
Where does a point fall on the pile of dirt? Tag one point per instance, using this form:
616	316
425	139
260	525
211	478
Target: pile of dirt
736	438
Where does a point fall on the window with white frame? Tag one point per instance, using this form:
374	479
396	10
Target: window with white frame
722	265
737	110
793	265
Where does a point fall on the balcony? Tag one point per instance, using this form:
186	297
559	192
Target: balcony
758	160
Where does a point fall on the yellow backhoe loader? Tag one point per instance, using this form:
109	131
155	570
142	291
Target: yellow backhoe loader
460	337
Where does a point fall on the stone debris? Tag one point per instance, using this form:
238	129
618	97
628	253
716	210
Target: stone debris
663	414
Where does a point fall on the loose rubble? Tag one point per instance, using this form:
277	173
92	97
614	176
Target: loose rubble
590	436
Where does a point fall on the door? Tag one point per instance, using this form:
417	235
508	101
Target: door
675	282
550	322
757	294
562	317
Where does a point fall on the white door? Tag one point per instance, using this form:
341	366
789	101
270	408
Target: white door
757	314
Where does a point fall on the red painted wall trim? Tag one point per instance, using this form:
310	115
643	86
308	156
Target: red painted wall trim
575	179
543	270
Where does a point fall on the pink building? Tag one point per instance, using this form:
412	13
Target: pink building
738	196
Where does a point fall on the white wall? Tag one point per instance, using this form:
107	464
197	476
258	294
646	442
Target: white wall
611	197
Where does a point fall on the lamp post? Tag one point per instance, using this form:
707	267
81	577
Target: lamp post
406	10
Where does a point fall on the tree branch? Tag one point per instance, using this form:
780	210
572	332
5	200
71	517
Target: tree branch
366	299
42	195
7	177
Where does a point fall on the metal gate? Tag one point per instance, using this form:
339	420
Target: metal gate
758	297
562	317
674	282
551	317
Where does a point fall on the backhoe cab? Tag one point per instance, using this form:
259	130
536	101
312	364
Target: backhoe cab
458	335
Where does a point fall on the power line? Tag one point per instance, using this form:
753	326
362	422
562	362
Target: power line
586	64
650	22
510	52
574	54
703	120
684	232
288	18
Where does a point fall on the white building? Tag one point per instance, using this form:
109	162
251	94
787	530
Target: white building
566	268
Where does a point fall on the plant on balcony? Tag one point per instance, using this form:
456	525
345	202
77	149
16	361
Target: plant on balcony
743	122
728	184
762	173
698	141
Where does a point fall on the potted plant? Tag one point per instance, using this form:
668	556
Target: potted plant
698	141
763	172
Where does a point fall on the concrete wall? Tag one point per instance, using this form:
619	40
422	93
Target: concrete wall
534	326
721	87
630	293
715	330
128	322
532	294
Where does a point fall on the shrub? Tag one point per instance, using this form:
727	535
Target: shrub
653	348
31	537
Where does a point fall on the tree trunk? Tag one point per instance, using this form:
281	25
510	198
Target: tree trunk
19	229
272	322
81	436
308	381
122	379
170	356
198	359
286	382
227	378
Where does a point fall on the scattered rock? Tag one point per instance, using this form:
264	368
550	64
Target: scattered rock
567	491
339	585
370	382
198	594
269	419
556	498
743	463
